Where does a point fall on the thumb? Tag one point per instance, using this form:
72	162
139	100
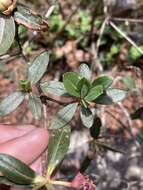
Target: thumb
28	147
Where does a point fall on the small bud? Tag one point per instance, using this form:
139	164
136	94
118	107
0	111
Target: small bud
82	182
7	6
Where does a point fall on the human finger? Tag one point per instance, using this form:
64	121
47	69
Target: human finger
28	147
9	132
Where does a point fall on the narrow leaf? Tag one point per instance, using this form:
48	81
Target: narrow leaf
86	163
31	20
10	103
138	114
105	81
63	116
35	106
58	147
5	181
140	136
85	71
96	128
104	99
112	95
86	117
116	94
54	87
38	67
108	147
16	171
7	33
70	80
94	93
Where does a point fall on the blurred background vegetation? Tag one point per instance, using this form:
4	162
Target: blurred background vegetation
83	31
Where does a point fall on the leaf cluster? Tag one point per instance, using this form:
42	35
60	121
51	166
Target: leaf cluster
84	92
22	15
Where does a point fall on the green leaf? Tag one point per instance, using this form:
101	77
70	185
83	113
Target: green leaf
94	93
5	181
38	67
25	85
134	53
105	81
86	117
63	116
129	82
7	33
108	147
85	164
138	114
96	128
31	20
57	147
83	87
84	71
35	106
16	171
116	94
54	88
140	136
104	99
70	80
112	95
11	102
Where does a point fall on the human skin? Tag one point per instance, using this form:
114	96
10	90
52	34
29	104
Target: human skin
25	143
